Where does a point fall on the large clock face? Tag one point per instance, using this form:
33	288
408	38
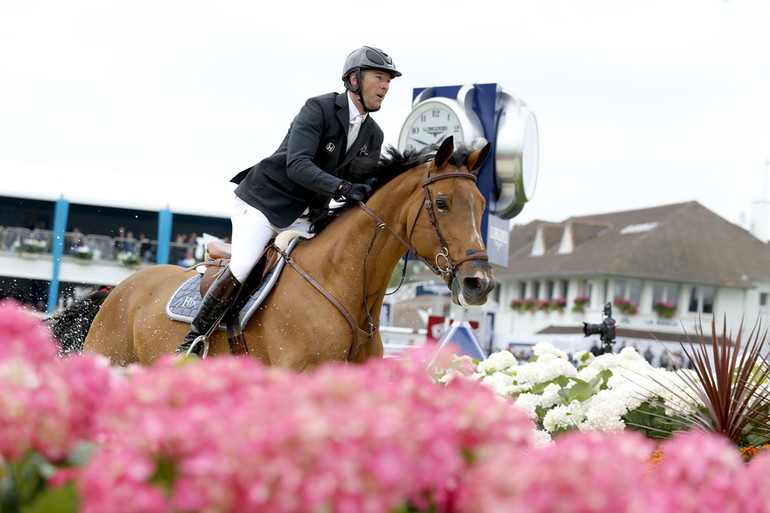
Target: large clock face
429	124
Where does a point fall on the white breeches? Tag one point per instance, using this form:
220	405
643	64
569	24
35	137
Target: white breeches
251	233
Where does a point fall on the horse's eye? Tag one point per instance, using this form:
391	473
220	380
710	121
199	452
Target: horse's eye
442	203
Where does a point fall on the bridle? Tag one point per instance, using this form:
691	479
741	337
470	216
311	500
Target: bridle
442	257
443	263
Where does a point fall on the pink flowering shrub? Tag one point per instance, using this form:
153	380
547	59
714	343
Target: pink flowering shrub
704	473
227	434
47	404
591	472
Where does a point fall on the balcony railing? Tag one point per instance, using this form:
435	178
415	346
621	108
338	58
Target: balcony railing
95	247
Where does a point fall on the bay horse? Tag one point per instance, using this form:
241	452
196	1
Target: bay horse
430	206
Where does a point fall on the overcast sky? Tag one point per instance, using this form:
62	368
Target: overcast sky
155	103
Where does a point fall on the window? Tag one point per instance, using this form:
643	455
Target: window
536	289
763	299
693	306
708	300
701	299
588	286
627	289
564	289
522	289
549	289
665	293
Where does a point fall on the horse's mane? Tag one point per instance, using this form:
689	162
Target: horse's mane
376	173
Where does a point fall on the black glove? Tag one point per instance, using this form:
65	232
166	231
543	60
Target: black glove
353	191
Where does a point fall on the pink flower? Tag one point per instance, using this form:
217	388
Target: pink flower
590	472
698	473
240	436
47	404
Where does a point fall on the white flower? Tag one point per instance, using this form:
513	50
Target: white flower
544	348
528	402
501	383
543	371
499	361
542	438
550	396
604	411
560	417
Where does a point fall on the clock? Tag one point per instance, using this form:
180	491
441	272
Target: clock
516	156
433	119
507	120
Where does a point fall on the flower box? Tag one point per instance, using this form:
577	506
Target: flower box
580	303
129	259
665	309
30	248
82	254
626	306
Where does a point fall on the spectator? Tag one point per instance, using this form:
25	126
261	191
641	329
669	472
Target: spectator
648	354
74	240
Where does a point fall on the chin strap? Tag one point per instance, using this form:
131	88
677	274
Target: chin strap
361	98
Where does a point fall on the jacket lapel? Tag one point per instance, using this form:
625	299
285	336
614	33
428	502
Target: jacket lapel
363	135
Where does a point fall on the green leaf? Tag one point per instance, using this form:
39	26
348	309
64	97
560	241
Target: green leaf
581	391
61	499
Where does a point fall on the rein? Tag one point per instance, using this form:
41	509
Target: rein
447	271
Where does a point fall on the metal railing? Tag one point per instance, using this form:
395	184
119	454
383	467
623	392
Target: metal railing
96	247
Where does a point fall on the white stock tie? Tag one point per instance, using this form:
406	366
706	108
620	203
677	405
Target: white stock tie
353	129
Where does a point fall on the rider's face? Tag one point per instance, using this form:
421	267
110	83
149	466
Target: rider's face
374	87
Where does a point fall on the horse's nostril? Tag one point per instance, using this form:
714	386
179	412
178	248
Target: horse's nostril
473	284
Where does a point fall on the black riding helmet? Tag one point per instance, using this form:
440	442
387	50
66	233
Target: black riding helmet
366	57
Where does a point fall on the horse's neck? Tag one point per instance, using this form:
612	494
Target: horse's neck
357	242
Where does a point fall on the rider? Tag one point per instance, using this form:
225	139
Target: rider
329	132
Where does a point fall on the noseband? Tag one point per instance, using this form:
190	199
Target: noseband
443	264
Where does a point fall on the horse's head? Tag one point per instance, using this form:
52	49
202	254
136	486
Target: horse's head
446	231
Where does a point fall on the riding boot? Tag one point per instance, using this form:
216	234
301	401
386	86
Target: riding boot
215	304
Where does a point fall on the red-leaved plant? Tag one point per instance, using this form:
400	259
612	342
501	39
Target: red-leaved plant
725	392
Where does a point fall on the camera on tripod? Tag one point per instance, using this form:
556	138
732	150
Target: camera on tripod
605	330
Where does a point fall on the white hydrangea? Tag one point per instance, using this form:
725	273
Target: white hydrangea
604	411
528	402
630	382
544	370
501	383
550	396
561	417
499	361
543	438
583	358
546	348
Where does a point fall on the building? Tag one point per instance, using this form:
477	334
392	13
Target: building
98	244
666	271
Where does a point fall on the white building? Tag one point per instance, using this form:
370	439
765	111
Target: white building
681	253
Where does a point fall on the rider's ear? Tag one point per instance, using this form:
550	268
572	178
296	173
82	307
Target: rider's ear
353	78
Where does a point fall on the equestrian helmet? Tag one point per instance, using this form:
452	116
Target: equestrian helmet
367	57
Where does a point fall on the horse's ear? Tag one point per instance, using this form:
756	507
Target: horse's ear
444	152
476	159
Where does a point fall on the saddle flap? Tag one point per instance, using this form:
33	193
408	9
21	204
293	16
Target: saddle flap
215	264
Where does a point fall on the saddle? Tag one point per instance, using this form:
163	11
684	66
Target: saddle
185	301
218	257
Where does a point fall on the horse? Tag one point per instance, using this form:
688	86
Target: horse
325	306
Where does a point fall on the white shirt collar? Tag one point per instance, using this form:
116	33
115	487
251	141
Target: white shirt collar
353	111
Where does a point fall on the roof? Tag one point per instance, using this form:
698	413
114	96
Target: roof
678	242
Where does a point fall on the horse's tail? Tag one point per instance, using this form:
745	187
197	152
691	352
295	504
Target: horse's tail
71	325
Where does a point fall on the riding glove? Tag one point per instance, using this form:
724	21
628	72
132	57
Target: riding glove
353	191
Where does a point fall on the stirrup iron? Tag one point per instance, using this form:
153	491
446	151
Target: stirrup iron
200	339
